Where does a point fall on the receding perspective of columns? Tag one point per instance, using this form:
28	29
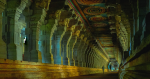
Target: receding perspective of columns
54	39
70	24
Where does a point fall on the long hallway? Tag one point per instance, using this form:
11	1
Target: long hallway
107	75
74	39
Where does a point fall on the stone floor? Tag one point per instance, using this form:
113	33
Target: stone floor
109	75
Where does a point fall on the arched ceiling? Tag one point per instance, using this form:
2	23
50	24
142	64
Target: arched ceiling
99	18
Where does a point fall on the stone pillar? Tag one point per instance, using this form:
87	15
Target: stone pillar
81	53
89	57
84	55
70	24
13	14
35	19
80	49
44	42
92	58
3	52
71	46
95	60
59	33
65	40
52	43
75	51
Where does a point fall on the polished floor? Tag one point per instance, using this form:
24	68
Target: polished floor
108	75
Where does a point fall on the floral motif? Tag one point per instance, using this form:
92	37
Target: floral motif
89	2
97	18
94	10
99	25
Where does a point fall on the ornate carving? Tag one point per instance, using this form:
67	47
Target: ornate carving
88	42
42	4
77	32
94	10
85	39
57	14
66	22
73	27
89	2
97	18
99	25
81	36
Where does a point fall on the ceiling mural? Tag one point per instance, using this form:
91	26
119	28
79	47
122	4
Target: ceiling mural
94	10
99	25
90	2
98	18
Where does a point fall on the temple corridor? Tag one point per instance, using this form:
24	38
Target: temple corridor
74	39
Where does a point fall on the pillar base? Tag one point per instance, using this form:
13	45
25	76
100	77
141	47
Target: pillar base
36	56
80	64
26	56
57	60
84	64
76	63
12	51
46	58
3	52
72	62
65	61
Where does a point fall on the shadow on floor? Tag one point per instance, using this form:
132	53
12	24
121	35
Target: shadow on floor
109	75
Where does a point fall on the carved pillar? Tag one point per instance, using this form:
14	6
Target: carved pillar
86	56
92	58
49	29
52	43
75	51
64	54
95	59
70	46
70	24
84	53
59	33
89	57
80	48
13	14
35	20
81	53
3	52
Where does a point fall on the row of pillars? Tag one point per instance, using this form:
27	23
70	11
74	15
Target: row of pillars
55	36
